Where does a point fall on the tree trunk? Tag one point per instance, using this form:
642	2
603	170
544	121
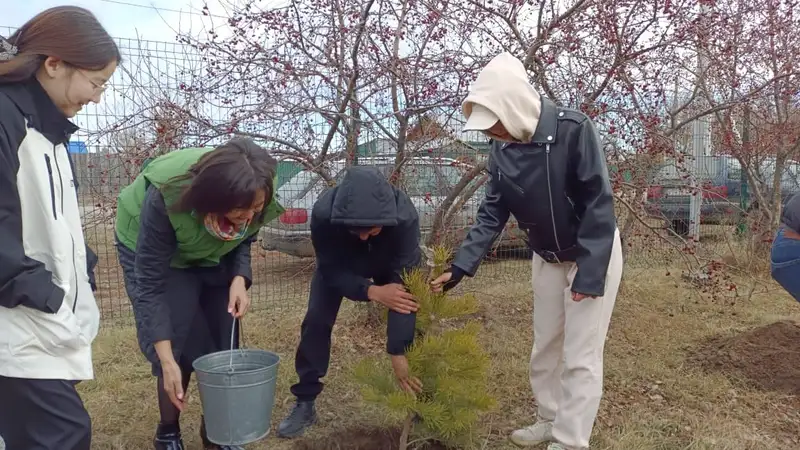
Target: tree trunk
627	229
407	424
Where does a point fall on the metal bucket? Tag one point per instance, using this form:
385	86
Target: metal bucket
237	391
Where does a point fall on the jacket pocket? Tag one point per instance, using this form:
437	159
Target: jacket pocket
58	331
52	185
504	179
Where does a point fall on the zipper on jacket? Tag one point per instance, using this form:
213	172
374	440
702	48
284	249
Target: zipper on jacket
573	206
60	180
52	185
550	193
509	181
74	265
75	270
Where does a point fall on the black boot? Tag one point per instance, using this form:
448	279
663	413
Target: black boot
208	445
168	437
303	415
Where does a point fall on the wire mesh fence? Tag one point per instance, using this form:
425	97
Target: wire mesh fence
133	123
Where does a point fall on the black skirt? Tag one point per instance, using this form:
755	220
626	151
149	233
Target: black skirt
205	291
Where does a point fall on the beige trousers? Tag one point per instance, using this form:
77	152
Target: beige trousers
566	370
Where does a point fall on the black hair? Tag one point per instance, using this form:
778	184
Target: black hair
226	178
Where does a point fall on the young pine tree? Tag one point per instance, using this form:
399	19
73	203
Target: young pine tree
446	356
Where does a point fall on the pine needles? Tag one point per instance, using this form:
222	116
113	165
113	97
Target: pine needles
446	356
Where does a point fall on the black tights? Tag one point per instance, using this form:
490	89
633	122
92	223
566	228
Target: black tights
170	415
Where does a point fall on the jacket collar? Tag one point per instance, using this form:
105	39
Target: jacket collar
548	123
41	113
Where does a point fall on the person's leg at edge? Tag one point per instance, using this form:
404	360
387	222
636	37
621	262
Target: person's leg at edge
46	415
785	263
585	333
549	283
312	357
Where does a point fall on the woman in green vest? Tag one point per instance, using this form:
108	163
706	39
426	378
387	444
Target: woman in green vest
184	229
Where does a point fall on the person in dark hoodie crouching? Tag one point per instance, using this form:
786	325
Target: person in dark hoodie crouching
365	234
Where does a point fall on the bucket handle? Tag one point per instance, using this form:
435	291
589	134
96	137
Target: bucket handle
233	341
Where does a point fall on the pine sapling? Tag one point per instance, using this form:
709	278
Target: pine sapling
446	356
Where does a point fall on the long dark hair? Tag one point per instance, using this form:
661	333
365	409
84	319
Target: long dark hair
69	33
226	178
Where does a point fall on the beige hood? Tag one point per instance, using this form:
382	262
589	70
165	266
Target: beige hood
502	92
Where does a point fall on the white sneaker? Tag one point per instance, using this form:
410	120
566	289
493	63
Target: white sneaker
560	446
535	434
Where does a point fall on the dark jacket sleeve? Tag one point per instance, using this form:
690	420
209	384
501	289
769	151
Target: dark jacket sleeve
400	327
23	280
156	245
91	263
331	256
595	199
491	219
408	254
241	262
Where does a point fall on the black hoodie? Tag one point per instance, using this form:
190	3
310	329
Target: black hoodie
365	198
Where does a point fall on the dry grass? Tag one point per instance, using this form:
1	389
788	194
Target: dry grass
655	398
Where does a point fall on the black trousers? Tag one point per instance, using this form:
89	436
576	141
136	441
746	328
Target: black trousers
313	355
43	415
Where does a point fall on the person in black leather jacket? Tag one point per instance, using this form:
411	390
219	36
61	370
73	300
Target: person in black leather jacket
548	169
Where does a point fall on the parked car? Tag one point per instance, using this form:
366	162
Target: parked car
720	178
426	180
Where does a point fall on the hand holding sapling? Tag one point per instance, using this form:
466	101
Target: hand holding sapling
393	296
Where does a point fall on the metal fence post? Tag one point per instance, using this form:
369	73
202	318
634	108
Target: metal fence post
744	198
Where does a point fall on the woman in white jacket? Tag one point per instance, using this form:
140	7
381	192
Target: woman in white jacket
50	68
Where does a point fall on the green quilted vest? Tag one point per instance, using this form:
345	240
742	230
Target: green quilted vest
196	247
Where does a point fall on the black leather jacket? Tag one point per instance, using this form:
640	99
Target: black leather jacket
558	189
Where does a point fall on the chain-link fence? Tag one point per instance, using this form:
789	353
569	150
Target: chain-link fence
655	206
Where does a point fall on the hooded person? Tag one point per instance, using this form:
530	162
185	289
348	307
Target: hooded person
365	234
548	169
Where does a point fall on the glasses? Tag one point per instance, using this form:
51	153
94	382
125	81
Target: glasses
98	88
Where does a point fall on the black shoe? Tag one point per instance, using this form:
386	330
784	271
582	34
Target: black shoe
168	441
303	415
208	445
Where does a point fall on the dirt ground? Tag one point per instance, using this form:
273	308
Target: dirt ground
360	438
681	372
677	371
767	357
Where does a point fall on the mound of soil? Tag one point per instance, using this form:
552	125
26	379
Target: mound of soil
767	357
358	439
